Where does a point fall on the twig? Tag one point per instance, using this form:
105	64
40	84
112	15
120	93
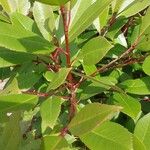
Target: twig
128	51
66	15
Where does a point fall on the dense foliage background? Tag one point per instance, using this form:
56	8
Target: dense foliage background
75	74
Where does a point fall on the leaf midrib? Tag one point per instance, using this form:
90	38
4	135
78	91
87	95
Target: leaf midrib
108	139
82	121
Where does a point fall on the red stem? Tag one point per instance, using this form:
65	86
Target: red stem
66	25
66	22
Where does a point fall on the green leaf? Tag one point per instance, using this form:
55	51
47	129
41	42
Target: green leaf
49	75
24	22
89	15
94	50
116	27
137	144
54	2
44	17
104	82
88	89
131	106
137	86
79	8
146	65
4	18
91	116
53	142
5	73
17	39
11	87
11	136
59	78
5	5
108	136
50	110
28	75
144	44
145	23
135	7
9	103
103	17
22	6
116	5
142	130
90	69
30	143
11	58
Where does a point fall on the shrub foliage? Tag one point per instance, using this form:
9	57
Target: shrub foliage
76	74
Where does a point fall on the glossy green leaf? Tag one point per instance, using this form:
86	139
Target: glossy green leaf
54	2
91	116
9	103
106	82
90	69
59	78
21	40
4	74
144	44
108	136
104	16
89	15
135	33
23	22
44	17
131	106
27	80
116	27
28	75
78	10
21	6
30	143
137	86
145	23
142	130
116	5
11	136
5	5
11	87
49	75
137	144
94	50
4	18
135	7
50	110
53	142
89	89
146	66
12	58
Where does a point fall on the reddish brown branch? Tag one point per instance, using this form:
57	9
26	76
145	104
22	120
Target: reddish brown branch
66	26
36	93
64	131
127	62
128	51
66	22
